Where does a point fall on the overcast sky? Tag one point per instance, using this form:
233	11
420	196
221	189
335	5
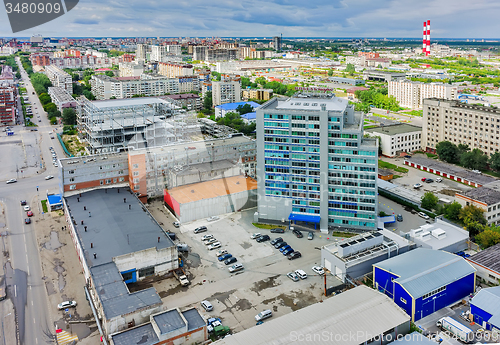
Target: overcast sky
264	18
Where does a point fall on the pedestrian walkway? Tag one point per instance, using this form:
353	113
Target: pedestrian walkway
64	337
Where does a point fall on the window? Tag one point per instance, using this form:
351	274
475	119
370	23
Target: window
71	172
435	292
136	173
135	166
403	300
146	272
136	186
136	180
72	187
101	182
121	179
72	179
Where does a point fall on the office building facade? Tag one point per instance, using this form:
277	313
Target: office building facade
313	164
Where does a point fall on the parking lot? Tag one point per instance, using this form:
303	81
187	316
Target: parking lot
410	220
263	283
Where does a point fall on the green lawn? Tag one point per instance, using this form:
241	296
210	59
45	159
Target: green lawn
342	234
267	226
44	206
387	165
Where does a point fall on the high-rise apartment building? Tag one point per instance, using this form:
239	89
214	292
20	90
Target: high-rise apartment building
225	91
460	123
314	165
141	51
172	70
277	43
410	94
131	69
59	78
158	53
8	102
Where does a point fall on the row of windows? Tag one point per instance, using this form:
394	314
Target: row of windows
432	293
276	116
349	214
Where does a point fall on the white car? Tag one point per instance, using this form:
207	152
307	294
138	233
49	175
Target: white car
12	180
256	235
66	304
50	177
210	241
236	268
423	215
301	274
56	165
417	185
221	252
27	208
439	179
207	237
214	246
318	270
213	218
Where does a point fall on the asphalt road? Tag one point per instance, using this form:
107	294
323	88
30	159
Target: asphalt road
26	287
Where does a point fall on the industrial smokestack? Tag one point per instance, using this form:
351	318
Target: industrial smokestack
424	41
428	50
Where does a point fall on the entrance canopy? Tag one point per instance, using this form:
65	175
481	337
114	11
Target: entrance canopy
304	217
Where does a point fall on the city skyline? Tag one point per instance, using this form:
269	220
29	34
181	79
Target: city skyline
359	18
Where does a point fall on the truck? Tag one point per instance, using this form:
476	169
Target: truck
462	332
3	288
181	277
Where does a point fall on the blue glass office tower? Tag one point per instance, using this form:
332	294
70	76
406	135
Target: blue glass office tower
313	164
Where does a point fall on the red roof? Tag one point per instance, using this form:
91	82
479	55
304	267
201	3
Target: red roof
103	69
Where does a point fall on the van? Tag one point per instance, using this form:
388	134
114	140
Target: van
263	315
200	229
301	274
182	247
207	305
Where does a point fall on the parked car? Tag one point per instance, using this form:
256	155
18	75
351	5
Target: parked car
423	179
297	233
318	270
236	268
476	171
417	185
214	246
277	231
423	215
282	249
207	305
210	241
230	260
66	304
29	213
310	235
288	251
27	221
200	229
213	218
207	237
50	177
280	244
399	218
23	202
176	224
224	257
429	180
293	276
263	238
12	180
276	240
221	252
294	255
263	315
27	208
255	235
301	274
439	179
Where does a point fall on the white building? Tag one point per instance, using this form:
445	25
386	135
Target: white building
440	235
174	49
226	91
487	198
397	138
131	69
59	78
410	94
172	70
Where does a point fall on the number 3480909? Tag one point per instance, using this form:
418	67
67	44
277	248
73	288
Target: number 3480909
33	8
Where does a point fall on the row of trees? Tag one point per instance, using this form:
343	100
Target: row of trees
377	98
463	155
471	217
234	120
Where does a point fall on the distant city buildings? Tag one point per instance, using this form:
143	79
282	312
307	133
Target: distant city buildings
258	94
172	69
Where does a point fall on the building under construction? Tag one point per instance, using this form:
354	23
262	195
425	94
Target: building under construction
116	125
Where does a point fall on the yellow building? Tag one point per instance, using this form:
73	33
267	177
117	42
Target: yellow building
259	94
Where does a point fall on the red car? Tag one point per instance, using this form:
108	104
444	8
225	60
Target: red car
29	213
423	179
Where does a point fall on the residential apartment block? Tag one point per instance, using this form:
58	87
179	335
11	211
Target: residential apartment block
396	139
172	70
259	94
204	53
460	123
189	101
410	94
8	105
227	90
313	164
59	78
61	98
487	198
131	69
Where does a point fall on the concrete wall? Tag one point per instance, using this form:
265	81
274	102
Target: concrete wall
215	206
164	260
120	323
486	273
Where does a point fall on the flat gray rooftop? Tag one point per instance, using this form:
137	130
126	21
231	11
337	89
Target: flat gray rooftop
489	258
395	129
307	103
115	298
112	228
144	335
169	321
483	194
193	318
454	234
128	102
451	169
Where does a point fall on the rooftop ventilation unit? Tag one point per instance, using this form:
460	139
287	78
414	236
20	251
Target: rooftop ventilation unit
360	243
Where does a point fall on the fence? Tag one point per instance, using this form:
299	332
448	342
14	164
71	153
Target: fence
64	146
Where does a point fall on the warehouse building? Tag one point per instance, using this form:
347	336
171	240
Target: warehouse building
361	316
423	280
485	306
487	263
440	235
169	327
212	198
355	256
118	242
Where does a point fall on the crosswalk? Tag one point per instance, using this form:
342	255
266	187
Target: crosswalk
64	338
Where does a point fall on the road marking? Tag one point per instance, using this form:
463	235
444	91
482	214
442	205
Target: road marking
31	302
34	320
15	290
36	339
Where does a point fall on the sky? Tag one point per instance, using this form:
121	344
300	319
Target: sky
265	18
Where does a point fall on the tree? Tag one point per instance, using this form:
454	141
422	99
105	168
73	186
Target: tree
69	116
495	161
489	237
261	81
50	107
44	98
330	72
207	100
429	201
247	108
473	218
18	75
474	159
452	211
447	151
349	68
109	74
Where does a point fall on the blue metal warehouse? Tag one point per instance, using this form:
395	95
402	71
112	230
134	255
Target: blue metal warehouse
423	280
485	306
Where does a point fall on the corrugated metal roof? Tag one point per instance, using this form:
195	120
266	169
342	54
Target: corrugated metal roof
144	335
414	338
489	258
423	270
357	314
489	301
233	106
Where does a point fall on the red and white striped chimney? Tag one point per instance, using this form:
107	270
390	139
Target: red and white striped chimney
424	42
428	50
